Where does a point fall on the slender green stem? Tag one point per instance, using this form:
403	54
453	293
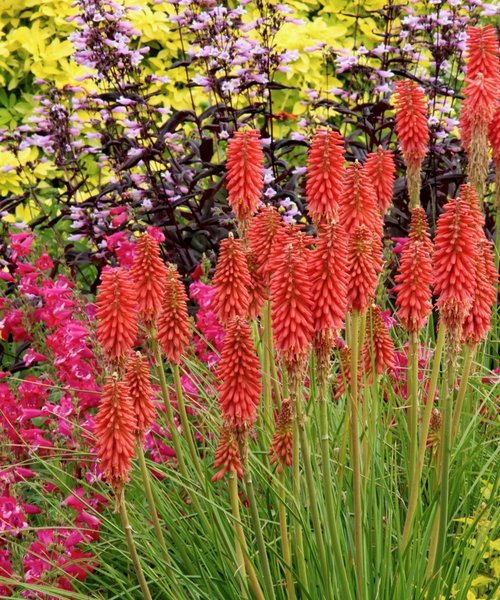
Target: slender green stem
268	340
445	468
311	486
426	419
152	508
254	513
127	528
285	542
245	568
413	399
186	426
355	456
468	360
297	529
267	396
331	514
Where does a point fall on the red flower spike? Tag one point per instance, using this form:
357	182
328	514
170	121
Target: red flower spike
245	173
148	274
258	291
137	378
174	328
358	202
482	52
414	280
480	102
494	137
478	320
455	263
325	164
231	281
116	313
239	371
378	350
328	278
362	269
411	121
380	170
281	450
292	302
261	235
469	196
227	455
115	427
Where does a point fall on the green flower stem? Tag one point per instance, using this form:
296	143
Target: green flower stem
285	542
310	484
470	351
266	367
245	567
355	456
426	419
127	528
413	399
331	514
186	427
297	529
444	468
254	513
268	341
152	508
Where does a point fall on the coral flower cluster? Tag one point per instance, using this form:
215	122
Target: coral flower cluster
380	171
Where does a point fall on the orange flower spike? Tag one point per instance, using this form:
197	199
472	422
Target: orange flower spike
148	275
231	281
140	391
358	202
261	235
378	350
494	138
116	313
455	255
328	278
478	320
414	280
227	455
325	166
239	371
282	443
362	269
292	301
115	428
411	121
380	170
482	52
174	328
245	174
257	290
469	196
480	101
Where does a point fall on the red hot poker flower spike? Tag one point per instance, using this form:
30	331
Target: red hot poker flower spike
245	174
116	313
477	322
258	291
115	427
380	169
148	275
482	52
227	455
239	370
139	388
494	138
414	280
231	281
411	121
174	329
324	175
291	303
261	235
378	351
362	269
359	202
282	443
455	263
